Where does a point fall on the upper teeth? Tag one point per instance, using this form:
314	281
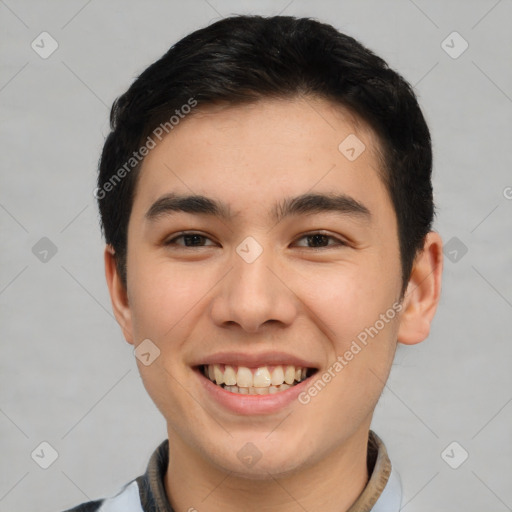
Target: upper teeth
261	377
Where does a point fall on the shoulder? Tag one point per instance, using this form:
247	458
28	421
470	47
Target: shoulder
141	494
126	500
90	506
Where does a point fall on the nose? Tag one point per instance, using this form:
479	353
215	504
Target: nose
254	295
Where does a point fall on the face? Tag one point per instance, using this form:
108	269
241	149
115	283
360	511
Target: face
258	278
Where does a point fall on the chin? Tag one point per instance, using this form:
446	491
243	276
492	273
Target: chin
260	464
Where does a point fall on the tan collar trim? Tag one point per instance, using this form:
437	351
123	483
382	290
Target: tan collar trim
379	467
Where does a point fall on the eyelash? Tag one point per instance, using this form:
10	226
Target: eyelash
339	242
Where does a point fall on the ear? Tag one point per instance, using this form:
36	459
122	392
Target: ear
423	292
118	295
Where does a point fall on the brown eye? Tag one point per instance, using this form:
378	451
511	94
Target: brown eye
189	239
321	240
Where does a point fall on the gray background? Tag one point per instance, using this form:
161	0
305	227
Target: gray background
66	374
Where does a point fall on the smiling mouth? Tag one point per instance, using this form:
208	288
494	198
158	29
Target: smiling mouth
263	380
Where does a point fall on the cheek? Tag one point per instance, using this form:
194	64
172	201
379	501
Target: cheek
162	295
163	300
348	298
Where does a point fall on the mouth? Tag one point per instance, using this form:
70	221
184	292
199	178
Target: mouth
262	380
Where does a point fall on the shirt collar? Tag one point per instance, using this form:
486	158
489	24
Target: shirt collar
382	492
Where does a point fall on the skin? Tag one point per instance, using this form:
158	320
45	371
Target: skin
193	302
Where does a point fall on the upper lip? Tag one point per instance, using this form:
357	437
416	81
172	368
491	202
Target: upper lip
255	360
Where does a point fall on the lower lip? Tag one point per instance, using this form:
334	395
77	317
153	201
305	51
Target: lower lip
252	404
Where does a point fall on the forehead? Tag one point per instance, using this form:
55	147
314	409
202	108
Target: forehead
254	154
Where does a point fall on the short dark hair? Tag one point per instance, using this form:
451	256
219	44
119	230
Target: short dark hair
246	58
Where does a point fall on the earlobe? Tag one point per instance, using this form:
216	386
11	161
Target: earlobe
118	295
423	292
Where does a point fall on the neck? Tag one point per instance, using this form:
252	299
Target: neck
331	485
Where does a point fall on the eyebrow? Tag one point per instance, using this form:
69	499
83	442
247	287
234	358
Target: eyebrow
305	204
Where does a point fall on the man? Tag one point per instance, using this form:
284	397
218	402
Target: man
266	199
